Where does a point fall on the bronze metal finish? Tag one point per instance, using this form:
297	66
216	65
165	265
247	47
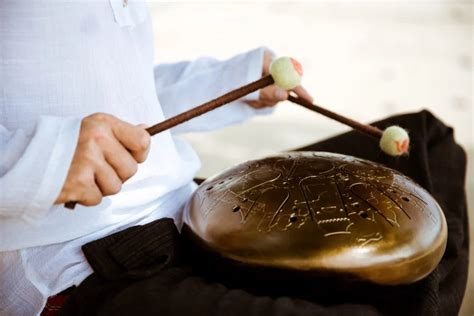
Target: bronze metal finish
315	211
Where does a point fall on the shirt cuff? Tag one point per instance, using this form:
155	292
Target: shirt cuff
63	133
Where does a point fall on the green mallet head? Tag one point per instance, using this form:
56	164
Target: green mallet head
395	141
286	72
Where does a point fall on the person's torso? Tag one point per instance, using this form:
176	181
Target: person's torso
75	58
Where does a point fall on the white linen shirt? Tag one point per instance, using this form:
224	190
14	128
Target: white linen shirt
59	62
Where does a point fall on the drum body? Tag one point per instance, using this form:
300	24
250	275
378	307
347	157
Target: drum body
322	213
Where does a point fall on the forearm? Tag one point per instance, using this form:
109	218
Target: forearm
185	85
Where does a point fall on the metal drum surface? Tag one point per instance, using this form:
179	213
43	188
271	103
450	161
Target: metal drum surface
320	212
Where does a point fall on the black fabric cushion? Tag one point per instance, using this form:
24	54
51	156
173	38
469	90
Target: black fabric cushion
152	270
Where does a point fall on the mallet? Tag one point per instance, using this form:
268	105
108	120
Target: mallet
394	140
285	72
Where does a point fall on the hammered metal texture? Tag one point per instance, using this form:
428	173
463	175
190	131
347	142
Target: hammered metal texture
315	211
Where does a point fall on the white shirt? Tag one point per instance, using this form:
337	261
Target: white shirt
59	62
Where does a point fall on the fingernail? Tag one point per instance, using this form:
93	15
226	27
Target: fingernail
280	94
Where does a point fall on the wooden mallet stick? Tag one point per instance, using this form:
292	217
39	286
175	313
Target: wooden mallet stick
285	72
364	128
211	105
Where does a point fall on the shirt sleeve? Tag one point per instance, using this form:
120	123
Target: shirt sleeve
184	85
33	167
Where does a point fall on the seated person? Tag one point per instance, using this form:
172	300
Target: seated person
78	89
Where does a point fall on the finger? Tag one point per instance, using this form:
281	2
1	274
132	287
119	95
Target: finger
91	196
140	156
136	139
268	57
302	93
273	94
119	158
62	198
84	189
65	195
107	180
260	104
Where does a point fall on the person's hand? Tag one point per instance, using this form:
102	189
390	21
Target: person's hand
271	95
106	155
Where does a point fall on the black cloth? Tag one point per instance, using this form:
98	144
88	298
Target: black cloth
148	270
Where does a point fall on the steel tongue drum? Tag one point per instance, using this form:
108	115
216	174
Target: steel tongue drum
321	213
